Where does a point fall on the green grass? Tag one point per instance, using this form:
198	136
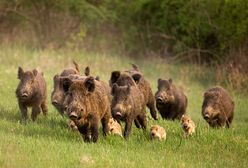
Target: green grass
48	142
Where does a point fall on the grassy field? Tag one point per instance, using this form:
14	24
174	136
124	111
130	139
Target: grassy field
48	142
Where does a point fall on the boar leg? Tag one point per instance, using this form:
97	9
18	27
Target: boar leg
164	115
24	111
86	136
142	121
221	121
85	133
105	127
151	106
44	107
137	124
229	121
94	132
35	112
128	128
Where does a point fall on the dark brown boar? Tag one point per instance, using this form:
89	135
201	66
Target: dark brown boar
87	103
122	79
128	106
170	101
31	92
218	107
57	96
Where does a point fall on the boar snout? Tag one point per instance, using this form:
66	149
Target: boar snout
185	126
55	102
117	115
24	95
159	99
206	116
73	115
207	111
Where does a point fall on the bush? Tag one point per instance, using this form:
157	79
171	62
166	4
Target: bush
195	30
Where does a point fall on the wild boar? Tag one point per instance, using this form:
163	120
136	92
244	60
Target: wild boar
157	132
31	92
57	96
218	107
128	105
188	126
122	79
87	102
114	127
170	101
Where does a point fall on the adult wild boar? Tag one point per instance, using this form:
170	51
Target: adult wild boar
170	101
57	96
122	79
218	107
31	92
128	106
87	103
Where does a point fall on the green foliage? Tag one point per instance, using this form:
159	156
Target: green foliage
211	26
198	30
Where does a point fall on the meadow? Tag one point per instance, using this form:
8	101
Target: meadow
49	143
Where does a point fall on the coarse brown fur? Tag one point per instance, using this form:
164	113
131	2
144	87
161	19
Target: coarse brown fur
31	92
157	132
57	96
170	101
122	79
188	125
114	127
218	107
87	103
128	106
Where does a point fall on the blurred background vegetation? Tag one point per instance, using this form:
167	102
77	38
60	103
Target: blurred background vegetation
205	32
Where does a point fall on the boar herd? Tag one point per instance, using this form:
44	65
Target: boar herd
89	102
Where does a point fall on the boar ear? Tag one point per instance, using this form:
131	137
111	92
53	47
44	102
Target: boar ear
209	94
114	88
205	94
66	84
76	65
55	77
136	78
182	117
135	67
159	82
20	72
90	84
35	72
97	78
170	81
87	71
114	76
